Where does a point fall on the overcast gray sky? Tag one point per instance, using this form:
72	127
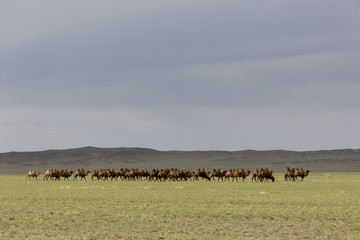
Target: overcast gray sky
179	75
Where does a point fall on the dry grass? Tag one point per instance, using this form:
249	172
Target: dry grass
325	206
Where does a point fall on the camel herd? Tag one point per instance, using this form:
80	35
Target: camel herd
262	175
292	174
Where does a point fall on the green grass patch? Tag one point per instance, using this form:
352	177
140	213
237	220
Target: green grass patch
324	206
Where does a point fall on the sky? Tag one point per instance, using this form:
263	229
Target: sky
179	75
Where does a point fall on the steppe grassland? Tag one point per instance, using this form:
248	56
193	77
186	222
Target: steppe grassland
324	206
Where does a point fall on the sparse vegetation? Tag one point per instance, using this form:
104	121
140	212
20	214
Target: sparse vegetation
325	206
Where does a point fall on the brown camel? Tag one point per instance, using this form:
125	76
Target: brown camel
201	173
219	174
289	174
265	174
32	174
255	175
302	174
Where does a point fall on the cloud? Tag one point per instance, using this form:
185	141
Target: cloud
326	80
179	74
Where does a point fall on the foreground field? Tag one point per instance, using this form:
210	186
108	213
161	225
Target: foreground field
324	206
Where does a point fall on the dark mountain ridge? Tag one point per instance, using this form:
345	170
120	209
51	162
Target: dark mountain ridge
340	160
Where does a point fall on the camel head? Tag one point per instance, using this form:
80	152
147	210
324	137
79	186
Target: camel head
272	178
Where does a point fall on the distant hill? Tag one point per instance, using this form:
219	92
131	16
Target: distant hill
95	158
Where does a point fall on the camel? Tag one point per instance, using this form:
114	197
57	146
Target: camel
47	174
144	173
77	173
32	174
245	174
66	174
153	174
302	174
114	175
108	174
219	174
202	174
134	174
190	174
240	174
265	174
56	175
95	173
80	173
289	174
181	175
297	173
255	175
162	175
174	174
102	174
122	173
84	174
37	174
229	174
